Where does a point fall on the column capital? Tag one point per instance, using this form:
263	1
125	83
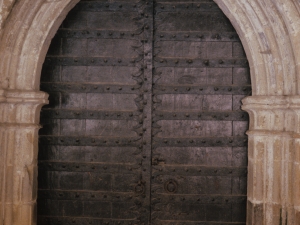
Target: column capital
271	102
23	96
273	113
21	107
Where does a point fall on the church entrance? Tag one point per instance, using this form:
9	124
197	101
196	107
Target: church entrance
144	124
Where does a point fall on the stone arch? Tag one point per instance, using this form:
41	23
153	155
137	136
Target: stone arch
269	31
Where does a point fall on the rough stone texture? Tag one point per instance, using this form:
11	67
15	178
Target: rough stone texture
5	9
270	33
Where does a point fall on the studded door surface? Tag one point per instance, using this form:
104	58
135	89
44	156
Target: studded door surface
144	123
199	155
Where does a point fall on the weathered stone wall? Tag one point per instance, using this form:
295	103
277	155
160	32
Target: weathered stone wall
5	9
270	33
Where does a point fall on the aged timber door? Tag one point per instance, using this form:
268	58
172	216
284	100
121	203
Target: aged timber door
144	123
198	145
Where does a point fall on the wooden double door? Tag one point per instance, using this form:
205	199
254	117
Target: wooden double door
144	124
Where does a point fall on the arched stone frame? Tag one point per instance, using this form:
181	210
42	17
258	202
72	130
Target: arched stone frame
270	33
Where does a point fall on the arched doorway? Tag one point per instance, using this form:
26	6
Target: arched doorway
269	31
144	126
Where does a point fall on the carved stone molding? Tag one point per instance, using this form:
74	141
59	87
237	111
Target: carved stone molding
273	166
19	125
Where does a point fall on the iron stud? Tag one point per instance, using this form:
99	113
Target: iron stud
221	61
229	89
216	89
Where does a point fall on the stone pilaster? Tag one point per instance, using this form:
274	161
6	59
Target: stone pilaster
19	119
271	168
294	203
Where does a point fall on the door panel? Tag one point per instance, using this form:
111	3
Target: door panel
198	129
91	143
144	124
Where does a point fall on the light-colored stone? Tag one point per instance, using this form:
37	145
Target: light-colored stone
270	33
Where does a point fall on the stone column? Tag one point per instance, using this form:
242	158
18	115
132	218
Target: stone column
19	119
294	204
271	165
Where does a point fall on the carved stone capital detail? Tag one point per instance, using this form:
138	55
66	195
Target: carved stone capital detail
21	107
273	113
